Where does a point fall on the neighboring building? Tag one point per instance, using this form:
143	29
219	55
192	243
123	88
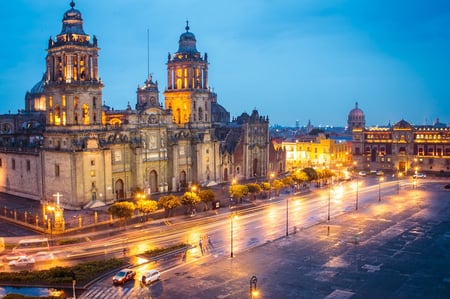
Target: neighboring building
316	151
403	147
66	141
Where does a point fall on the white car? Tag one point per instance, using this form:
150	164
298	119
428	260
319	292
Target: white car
43	256
150	276
420	175
22	261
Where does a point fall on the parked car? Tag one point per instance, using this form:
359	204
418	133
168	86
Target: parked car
380	172
362	173
22	261
123	276
420	175
150	276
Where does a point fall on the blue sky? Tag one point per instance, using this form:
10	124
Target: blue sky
290	59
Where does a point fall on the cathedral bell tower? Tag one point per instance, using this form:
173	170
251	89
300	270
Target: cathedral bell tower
72	86
148	95
187	93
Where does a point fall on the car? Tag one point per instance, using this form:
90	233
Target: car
447	187
123	276
43	256
150	276
22	261
11	257
420	175
380	172
362	173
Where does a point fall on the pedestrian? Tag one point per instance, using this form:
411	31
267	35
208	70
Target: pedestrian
200	243
210	242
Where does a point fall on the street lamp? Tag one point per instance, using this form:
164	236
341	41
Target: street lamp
329	201
272	175
379	188
232	218
253	291
357	186
400	174
287	216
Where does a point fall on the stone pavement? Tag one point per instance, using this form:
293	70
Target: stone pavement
399	248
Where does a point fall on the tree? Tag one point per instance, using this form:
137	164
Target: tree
207	196
190	199
299	176
238	192
169	202
311	173
123	210
266	187
288	181
253	188
147	206
277	185
327	174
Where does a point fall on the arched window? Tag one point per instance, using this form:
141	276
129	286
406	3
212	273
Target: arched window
57	120
85	116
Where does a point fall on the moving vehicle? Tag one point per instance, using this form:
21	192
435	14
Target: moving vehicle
123	276
28	246
43	256
420	175
150	276
362	173
22	261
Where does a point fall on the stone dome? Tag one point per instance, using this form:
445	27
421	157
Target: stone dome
72	21
356	118
356	112
187	42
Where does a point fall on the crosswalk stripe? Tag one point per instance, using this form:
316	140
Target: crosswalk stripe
108	293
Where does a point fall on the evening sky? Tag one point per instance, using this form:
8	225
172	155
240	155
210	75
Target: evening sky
292	60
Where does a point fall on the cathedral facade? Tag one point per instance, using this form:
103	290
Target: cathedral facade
67	141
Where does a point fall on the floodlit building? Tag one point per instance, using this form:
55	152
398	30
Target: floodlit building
402	148
67	141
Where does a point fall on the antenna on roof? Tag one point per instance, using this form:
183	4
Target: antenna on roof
148	52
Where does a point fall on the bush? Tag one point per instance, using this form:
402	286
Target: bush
84	272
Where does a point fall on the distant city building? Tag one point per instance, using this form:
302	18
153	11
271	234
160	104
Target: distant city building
68	142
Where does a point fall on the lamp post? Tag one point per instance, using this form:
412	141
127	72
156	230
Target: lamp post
379	188
253	291
329	201
329	207
287	216
272	175
233	216
357	185
357	191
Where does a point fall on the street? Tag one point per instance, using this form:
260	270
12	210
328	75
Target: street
395	248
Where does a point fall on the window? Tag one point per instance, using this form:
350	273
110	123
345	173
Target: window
13	164
56	169
92	162
1	164
28	165
92	173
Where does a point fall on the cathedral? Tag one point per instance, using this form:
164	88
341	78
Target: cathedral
67	141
